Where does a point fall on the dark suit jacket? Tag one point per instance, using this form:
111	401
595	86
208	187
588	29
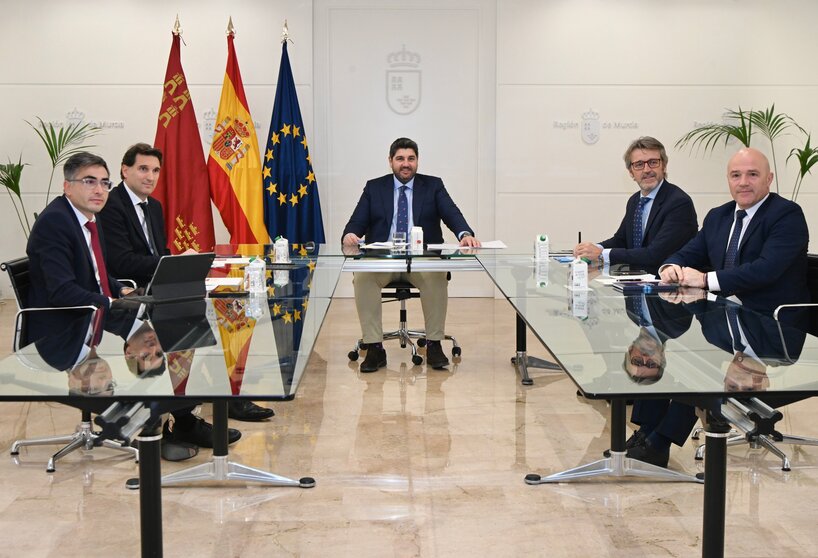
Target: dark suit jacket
671	223
669	320
431	203
129	256
61	271
771	266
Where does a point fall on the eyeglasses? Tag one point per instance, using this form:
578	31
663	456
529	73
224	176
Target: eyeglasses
644	363
91	182
652	163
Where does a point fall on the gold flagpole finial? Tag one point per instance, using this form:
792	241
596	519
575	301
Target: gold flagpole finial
177	27
230	29
285	33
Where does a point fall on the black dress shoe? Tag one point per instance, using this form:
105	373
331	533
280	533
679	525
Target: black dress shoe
375	358
201	434
246	410
649	454
637	439
434	355
178	451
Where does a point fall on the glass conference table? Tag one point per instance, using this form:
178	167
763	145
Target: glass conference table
675	345
176	355
258	347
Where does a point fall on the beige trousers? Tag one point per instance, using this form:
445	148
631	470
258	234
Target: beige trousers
434	299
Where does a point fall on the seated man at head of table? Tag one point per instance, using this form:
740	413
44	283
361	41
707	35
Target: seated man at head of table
752	250
659	218
396	202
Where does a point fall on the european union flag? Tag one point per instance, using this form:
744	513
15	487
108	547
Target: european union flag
292	208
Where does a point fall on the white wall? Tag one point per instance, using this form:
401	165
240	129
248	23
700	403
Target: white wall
498	79
644	68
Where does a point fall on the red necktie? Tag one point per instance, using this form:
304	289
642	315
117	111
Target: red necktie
97	249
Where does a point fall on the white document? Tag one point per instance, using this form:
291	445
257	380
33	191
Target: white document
488	244
221	262
610	279
213	282
378	245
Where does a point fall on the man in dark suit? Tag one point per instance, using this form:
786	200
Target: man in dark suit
396	202
753	248
132	220
666	216
66	249
134	227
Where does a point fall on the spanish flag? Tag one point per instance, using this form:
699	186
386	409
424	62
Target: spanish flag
234	164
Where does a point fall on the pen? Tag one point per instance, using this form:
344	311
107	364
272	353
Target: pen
579	237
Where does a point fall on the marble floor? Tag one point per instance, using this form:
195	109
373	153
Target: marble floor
408	462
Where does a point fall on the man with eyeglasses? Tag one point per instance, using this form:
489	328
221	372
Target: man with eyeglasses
659	218
67	260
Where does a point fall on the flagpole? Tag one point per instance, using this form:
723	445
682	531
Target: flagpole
230	29
285	33
177	27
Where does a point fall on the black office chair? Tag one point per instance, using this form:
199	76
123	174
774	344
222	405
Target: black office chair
753	419
84	436
402	291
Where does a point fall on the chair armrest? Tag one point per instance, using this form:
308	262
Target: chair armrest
787	306
129	282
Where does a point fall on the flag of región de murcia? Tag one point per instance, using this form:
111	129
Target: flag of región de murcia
234	164
182	188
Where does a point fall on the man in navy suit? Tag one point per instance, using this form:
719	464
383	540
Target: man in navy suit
396	202
66	249
753	250
767	266
133	221
666	216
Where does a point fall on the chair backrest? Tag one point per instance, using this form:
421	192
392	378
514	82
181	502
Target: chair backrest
20	281
812	284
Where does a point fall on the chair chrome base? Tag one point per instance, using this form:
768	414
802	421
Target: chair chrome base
84	438
754	421
617	465
220	468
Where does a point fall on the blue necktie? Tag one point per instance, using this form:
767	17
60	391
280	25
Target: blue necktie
637	222
403	212
635	306
732	246
732	318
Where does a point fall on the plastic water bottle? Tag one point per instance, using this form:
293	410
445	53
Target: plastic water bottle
282	250
254	276
579	275
541	248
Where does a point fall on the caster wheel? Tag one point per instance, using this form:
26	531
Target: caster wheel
132	484
456	351
421	342
528	382
353	355
532	478
698	458
417	359
306	482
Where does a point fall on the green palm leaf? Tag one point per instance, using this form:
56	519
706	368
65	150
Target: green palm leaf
62	142
10	176
806	157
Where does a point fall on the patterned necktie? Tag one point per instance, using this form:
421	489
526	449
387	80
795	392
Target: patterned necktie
635	307
403	212
96	248
732	318
732	246
637	222
151	242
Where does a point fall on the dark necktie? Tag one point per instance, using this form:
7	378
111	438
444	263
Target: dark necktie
403	212
635	307
151	242
732	317
96	248
732	246
637	222
96	327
